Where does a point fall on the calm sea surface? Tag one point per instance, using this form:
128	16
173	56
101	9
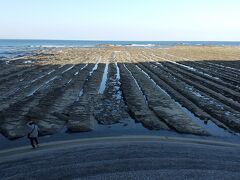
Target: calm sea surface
15	48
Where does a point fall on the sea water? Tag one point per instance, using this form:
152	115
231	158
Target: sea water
17	48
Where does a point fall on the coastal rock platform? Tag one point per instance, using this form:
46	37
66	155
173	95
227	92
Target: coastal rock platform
188	90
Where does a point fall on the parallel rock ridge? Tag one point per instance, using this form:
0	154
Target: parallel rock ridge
163	89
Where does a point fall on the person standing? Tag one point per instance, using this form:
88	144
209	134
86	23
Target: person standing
33	134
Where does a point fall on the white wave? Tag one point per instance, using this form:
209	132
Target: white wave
27	62
143	45
53	46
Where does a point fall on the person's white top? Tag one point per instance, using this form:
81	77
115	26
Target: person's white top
33	130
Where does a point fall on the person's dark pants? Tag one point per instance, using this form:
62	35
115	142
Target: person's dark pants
32	142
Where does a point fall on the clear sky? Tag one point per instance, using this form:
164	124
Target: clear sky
120	19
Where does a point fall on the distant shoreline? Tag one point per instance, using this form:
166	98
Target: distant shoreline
80	43
12	48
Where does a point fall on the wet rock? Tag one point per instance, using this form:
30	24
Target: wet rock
12	131
81	122
178	120
48	123
80	116
164	107
210	108
81	125
48	127
137	103
109	107
51	84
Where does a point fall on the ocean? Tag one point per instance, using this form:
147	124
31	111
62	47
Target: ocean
17	48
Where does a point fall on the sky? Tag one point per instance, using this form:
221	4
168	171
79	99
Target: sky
153	20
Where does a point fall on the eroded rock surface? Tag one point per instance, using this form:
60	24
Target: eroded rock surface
75	89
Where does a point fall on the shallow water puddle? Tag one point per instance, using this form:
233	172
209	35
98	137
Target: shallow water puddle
118	71
40	77
219	65
211	127
51	71
193	69
104	80
76	73
39	87
95	67
69	81
118	83
79	95
68	69
61	66
188	67
90	74
81	91
29	83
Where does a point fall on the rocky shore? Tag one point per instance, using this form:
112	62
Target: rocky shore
181	89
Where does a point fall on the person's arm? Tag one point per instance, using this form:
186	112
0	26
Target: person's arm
29	125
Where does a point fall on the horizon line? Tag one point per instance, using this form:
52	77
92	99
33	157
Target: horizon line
39	39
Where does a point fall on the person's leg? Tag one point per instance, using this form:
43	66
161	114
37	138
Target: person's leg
36	140
31	140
